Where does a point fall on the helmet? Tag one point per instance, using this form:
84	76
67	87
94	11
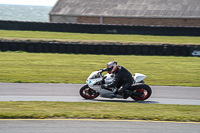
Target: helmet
111	66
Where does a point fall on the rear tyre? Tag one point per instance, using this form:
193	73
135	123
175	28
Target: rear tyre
143	90
88	93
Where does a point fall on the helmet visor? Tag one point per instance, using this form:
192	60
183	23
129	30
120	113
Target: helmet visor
109	70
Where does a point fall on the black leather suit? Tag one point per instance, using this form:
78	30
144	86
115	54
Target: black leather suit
122	78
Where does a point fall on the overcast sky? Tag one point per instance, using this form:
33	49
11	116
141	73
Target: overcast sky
30	2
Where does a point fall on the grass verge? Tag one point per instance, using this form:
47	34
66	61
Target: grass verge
83	37
75	68
134	111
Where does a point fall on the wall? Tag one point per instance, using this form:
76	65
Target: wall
129	21
99	48
61	18
152	21
94	20
100	28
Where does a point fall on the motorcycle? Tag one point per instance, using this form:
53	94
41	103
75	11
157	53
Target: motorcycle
92	89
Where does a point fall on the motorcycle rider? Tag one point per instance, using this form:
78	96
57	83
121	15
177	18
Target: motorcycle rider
122	77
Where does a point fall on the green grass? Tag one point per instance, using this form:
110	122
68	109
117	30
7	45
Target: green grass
135	111
74	68
63	36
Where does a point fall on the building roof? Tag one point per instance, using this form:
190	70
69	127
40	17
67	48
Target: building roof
129	8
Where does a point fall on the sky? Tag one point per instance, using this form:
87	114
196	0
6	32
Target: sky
30	2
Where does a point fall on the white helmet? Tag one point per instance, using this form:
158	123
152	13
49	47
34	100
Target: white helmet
111	66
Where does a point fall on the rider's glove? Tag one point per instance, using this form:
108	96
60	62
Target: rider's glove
103	70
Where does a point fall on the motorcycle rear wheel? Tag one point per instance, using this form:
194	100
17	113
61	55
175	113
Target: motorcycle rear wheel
88	93
142	89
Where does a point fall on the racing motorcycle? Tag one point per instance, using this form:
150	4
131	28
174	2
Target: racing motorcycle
92	89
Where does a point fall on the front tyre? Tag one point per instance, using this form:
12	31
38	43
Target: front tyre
143	91
88	93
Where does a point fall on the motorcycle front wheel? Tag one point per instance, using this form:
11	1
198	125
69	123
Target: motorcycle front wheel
143	91
88	93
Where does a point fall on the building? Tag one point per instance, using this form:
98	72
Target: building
128	12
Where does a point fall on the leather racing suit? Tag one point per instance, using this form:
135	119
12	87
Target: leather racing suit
122	77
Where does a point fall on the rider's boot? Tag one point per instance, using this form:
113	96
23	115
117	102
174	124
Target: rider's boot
126	94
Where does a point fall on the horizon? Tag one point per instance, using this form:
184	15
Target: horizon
29	2
26	5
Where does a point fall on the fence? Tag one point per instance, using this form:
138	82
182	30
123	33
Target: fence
99	48
97	28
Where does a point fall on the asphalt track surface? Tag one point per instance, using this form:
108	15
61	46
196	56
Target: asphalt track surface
70	93
95	126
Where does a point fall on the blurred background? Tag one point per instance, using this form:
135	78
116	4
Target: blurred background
26	10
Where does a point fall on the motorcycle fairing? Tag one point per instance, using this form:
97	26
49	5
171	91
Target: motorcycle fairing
93	81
